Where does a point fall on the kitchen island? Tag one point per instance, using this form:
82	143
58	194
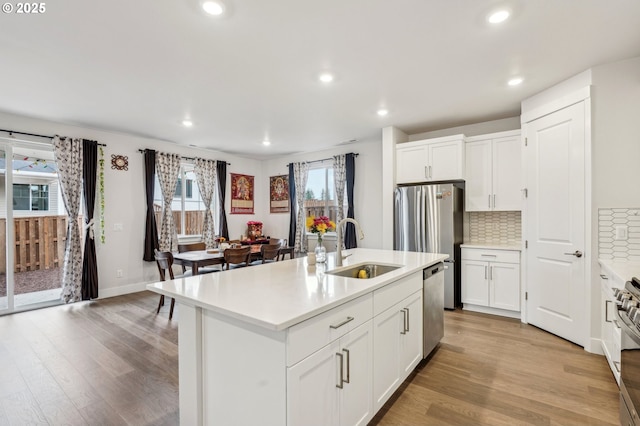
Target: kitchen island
290	343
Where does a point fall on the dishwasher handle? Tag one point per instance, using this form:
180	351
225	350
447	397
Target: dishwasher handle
432	270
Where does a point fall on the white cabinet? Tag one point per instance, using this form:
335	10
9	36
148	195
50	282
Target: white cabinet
609	327
397	346
493	172
333	385
491	281
430	160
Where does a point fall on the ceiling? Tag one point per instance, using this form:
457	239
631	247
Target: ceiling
142	66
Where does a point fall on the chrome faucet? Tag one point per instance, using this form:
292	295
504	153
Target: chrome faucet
339	235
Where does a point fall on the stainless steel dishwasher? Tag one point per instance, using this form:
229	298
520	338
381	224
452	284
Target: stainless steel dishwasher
433	299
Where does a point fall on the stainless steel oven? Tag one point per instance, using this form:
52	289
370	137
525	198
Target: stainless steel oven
628	312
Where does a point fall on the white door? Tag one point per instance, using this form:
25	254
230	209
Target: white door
356	399
411	164
445	160
312	395
478	187
555	223
507	174
475	282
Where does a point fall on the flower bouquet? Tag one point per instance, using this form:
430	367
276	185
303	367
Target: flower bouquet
319	225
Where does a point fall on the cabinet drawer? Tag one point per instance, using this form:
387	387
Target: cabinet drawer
391	294
307	337
505	256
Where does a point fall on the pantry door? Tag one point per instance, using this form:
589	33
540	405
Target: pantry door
554	158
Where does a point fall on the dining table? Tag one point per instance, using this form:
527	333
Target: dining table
200	258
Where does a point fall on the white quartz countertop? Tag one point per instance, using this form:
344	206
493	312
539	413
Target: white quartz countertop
280	294
621	269
493	246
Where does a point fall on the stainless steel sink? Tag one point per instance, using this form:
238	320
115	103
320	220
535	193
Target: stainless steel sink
372	270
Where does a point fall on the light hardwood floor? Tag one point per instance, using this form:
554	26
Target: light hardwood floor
114	362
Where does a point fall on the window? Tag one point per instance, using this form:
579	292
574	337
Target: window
188	184
30	197
319	195
188	209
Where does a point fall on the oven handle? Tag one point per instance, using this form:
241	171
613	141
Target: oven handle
628	327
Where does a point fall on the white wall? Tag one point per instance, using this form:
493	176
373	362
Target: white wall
615	151
125	198
511	123
367	190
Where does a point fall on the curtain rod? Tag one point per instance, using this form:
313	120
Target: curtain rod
324	159
11	132
142	151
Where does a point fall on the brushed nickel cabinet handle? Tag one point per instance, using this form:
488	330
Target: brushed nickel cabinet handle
346	351
340	385
606	310
489	200
604	277
485	272
616	323
404	321
426	172
494	201
430	173
340	324
616	364
408	316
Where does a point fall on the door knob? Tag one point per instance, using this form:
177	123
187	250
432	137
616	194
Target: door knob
576	253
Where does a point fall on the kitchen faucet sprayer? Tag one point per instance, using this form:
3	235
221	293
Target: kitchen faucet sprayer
339	235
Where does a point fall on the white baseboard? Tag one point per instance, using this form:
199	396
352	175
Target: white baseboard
119	291
594	346
492	311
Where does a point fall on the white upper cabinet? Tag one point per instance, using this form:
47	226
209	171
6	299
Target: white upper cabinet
493	172
430	160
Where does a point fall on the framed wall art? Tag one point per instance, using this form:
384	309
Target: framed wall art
241	194
279	194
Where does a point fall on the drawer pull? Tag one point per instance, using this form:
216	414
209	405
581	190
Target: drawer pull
408	316
341	378
335	326
604	277
616	323
489	255
616	364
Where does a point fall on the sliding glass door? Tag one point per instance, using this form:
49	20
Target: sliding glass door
32	227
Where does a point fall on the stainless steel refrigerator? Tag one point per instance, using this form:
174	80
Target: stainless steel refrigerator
428	218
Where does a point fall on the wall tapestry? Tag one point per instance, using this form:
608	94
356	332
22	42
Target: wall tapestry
241	194
279	190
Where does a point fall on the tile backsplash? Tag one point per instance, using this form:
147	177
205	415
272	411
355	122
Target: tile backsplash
623	248
495	227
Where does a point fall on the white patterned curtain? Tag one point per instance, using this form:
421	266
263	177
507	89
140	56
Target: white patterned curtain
339	179
168	169
300	174
68	155
206	176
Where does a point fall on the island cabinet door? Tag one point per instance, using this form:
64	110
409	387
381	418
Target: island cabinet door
312	393
411	340
387	329
333	385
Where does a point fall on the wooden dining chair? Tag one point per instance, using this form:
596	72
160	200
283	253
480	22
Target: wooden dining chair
269	253
164	260
238	257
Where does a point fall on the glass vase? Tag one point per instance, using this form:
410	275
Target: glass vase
321	252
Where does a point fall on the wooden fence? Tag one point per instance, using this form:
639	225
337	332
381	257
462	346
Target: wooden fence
193	220
39	243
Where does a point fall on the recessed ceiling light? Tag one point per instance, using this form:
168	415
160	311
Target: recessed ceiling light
326	77
498	16
215	8
266	142
515	81
187	123
382	112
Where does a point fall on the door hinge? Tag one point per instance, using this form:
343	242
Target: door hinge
526	244
526	141
526	295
